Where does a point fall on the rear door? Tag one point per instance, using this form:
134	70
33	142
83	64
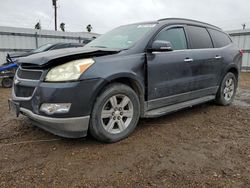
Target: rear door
206	60
224	48
169	74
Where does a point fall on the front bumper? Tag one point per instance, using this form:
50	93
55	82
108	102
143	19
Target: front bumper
73	124
65	127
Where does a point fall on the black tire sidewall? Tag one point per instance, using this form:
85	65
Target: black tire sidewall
96	128
220	96
7	82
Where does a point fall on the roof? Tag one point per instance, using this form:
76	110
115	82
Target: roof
188	21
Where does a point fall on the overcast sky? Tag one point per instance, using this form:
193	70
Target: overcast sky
104	15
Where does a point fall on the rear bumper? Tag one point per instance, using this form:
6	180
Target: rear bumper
76	127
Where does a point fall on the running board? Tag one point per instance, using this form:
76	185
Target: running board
172	108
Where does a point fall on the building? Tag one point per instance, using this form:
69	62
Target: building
242	39
14	39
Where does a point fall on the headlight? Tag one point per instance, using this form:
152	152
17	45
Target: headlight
69	71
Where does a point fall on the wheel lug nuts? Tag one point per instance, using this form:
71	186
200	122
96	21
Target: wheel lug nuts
121	113
119	118
120	109
113	113
114	118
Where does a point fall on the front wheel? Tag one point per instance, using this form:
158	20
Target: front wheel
115	114
227	90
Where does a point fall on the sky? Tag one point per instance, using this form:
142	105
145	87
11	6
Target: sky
104	15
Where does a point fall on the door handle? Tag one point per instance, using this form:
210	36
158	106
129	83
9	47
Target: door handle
188	60
217	57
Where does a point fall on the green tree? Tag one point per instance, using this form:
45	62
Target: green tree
62	26
89	28
38	26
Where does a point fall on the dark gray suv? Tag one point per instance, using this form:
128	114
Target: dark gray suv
139	70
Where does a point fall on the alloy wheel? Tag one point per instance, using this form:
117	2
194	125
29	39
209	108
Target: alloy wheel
117	113
229	89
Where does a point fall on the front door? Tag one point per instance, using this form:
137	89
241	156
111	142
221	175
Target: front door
169	73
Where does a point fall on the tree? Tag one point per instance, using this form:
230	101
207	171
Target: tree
62	26
38	26
89	28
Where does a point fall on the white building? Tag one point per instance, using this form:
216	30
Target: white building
14	39
242	39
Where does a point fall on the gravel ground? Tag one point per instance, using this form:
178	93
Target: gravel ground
204	146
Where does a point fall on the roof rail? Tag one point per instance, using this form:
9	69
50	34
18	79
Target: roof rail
184	19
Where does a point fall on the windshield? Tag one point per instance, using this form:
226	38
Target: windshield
122	37
42	48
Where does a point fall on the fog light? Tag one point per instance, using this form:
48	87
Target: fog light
57	108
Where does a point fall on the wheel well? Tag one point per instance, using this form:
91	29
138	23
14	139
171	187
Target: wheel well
234	71
129	82
135	86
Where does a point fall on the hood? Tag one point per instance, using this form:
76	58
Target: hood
19	54
46	58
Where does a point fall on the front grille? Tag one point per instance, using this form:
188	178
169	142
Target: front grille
23	91
29	74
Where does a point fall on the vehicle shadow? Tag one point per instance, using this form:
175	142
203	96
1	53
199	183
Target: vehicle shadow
145	124
25	131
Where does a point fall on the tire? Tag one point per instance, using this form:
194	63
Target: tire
7	82
115	113
227	90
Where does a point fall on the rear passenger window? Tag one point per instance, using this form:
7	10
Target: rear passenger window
174	35
220	39
199	37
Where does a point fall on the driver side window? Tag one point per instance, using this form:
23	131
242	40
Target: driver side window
176	36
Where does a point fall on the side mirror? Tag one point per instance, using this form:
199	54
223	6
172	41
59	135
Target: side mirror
161	46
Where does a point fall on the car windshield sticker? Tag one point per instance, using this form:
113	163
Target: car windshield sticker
146	25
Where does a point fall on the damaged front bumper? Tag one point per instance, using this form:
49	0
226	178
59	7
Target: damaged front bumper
29	96
65	127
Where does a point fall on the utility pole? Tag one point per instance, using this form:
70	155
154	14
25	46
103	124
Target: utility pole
55	7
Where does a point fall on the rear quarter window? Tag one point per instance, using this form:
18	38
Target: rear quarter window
220	39
199	37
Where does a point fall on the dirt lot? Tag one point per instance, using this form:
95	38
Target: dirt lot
205	146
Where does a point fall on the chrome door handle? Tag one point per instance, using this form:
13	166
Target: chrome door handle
188	60
217	57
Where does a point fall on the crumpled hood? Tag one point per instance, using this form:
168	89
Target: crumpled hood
18	54
45	58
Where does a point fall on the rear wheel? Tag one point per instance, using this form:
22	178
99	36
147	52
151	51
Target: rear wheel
115	113
227	90
7	82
